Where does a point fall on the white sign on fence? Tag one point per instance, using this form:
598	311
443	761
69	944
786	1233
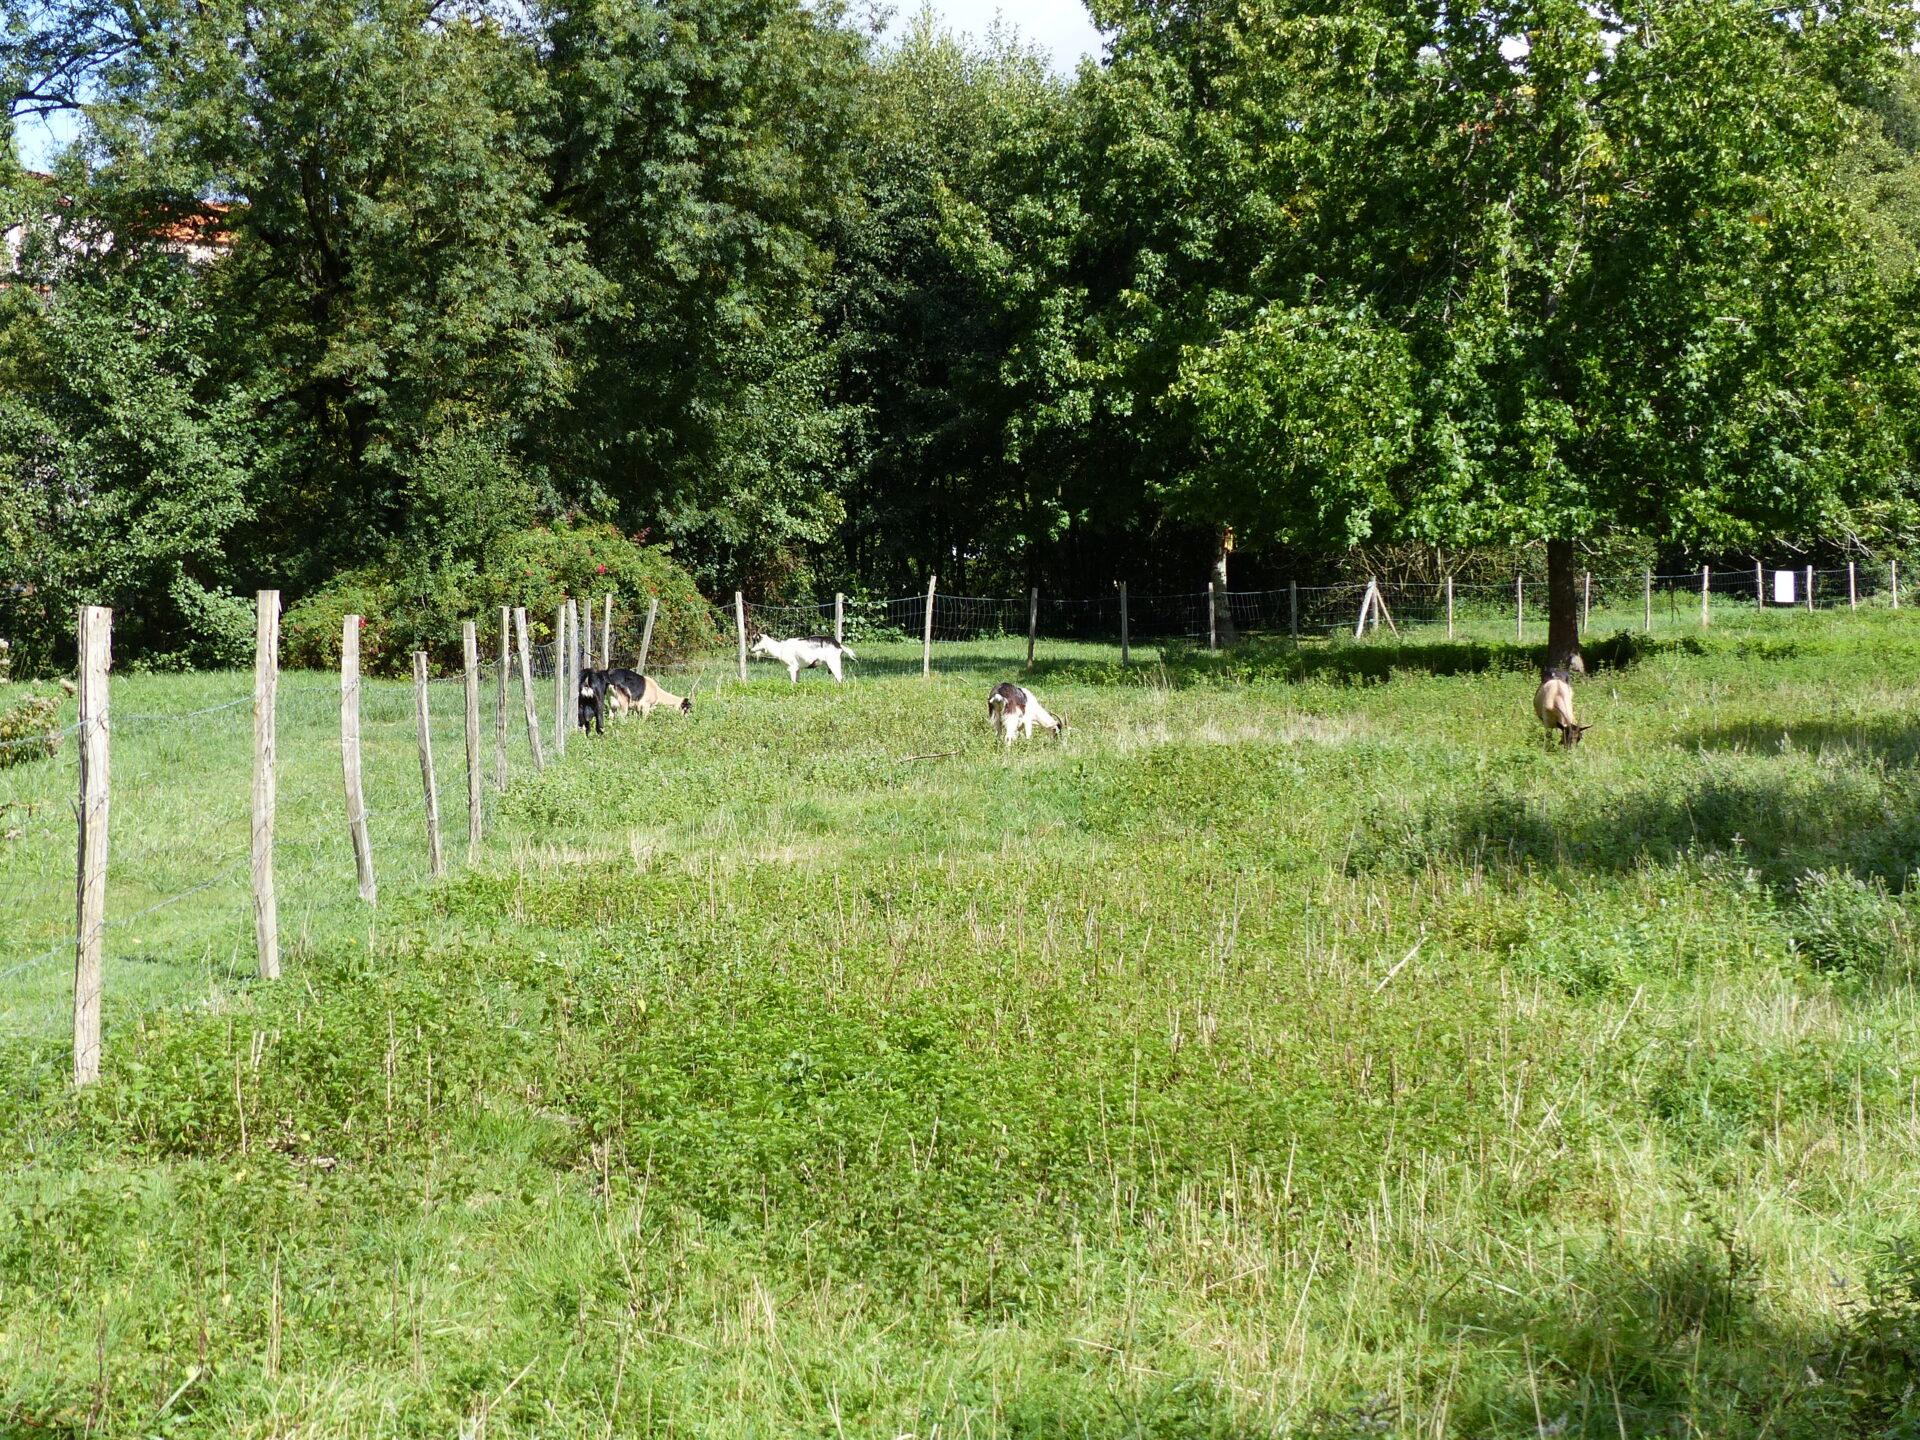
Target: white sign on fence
1783	587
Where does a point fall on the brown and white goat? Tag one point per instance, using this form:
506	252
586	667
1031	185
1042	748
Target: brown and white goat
1553	703
1017	712
630	691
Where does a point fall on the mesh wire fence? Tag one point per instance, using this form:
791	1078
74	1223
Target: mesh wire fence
179	902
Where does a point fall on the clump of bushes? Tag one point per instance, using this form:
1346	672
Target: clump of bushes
29	730
408	607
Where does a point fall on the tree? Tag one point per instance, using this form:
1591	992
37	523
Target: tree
700	148
1607	239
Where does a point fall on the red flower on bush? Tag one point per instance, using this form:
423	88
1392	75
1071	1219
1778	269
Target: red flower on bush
363	622
599	569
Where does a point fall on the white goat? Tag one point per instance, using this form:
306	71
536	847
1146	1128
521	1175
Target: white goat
1553	703
1017	712
804	652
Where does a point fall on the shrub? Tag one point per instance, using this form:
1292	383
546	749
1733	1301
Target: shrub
28	730
408	607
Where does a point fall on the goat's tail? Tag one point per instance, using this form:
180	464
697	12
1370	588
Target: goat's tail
846	654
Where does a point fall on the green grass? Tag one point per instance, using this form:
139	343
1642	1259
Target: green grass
1302	1047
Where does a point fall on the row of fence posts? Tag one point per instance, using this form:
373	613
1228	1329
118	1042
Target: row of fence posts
95	645
1373	609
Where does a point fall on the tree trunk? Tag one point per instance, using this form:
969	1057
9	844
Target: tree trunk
1563	609
1223	611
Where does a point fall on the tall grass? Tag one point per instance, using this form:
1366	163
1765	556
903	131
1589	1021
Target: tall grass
1293	1050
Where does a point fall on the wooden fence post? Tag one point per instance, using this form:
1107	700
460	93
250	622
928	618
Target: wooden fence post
1759	585
1809	587
526	688
606	632
500	704
266	694
1126	640
1033	622
1213	617
1293	610
561	640
1648	626
1519	609
926	635
350	758
1586	601
470	641
839	618
1853	589
1449	607
646	636
1893	582
1706	613
436	858
96	656
740	630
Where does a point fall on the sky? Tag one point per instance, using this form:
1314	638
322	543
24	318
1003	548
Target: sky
1060	27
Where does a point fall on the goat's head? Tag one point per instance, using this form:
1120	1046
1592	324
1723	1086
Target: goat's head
762	645
1570	734
686	705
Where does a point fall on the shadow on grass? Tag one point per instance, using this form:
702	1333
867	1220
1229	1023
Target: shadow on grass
1782	822
1665	1340
1892	739
1358	662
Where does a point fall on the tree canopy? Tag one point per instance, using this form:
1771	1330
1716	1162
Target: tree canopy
817	311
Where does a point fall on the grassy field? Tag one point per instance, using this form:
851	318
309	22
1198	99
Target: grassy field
1303	1047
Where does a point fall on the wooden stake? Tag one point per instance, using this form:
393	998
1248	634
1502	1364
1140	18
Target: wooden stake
436	858
1449	607
1126	640
266	692
1649	599
561	640
839	618
1893	581
606	632
740	630
1853	588
1033	622
470	642
350	758
926	636
1809	587
1367	599
1213	616
1293	610
1759	585
1706	614
1519	609
90	918
646	636
500	703
1586	601
526	688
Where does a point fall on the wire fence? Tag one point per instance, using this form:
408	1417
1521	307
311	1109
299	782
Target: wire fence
179	901
987	634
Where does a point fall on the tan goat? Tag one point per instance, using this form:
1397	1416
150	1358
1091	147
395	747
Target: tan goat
1553	703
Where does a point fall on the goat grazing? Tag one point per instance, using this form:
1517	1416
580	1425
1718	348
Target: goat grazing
1016	712
628	690
1553	703
805	652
